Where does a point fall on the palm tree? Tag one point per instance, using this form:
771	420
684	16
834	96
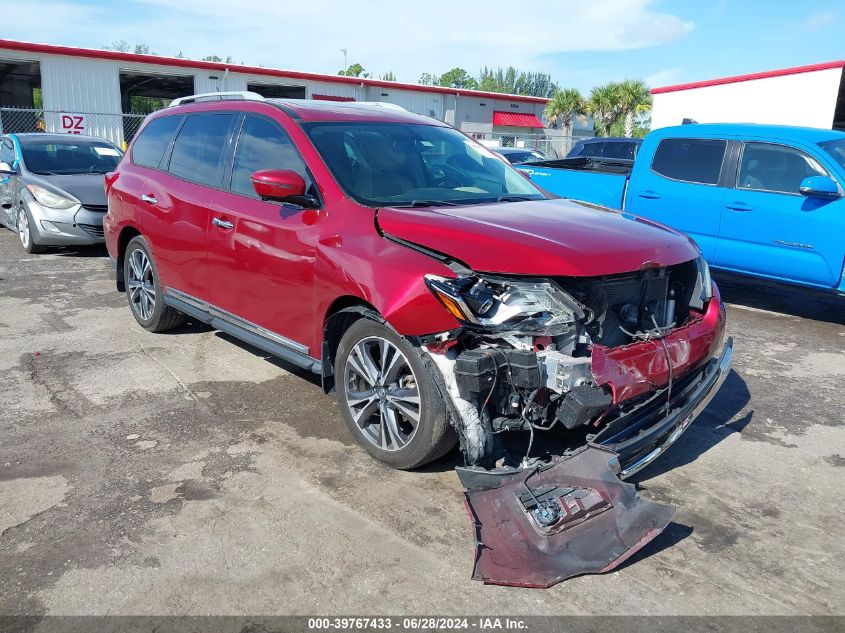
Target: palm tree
635	99
605	106
565	106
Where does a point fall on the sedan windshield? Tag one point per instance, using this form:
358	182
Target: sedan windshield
401	164
49	157
836	149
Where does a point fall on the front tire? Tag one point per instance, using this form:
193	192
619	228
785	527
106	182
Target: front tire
143	289
26	234
388	397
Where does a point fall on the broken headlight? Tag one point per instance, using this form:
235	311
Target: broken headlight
529	306
703	291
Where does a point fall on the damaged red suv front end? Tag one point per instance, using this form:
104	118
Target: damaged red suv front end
562	385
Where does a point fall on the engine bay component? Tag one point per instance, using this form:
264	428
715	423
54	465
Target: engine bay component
572	517
562	372
582	404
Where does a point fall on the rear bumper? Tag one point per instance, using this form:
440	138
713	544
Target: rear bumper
639	439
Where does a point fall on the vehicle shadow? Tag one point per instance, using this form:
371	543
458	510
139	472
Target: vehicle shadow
807	303
98	250
711	427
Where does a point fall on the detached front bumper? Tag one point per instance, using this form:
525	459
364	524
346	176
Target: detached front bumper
646	431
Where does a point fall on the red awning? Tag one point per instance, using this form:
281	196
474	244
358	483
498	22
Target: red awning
516	119
330	97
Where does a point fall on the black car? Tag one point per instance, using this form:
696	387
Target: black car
607	147
52	188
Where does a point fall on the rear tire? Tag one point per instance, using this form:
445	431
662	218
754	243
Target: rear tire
389	399
143	289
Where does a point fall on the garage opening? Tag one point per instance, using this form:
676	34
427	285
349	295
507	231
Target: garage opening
143	93
20	96
277	91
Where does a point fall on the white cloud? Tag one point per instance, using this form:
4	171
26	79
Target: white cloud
381	35
818	20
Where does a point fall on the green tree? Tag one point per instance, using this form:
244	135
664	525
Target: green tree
388	76
143	49
635	100
514	81
565	106
605	106
458	78
429	79
217	58
355	70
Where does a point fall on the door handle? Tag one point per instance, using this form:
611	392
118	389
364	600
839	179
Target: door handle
223	224
149	199
738	206
648	194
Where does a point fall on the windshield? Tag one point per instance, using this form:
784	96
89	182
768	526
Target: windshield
836	149
402	164
49	157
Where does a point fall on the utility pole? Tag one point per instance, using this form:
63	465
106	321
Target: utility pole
345	65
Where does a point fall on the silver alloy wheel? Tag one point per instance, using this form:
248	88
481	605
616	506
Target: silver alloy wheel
382	393
142	292
23	228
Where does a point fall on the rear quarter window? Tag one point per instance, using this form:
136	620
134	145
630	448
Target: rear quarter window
152	142
198	150
690	160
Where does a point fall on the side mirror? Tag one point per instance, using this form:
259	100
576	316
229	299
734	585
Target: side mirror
281	185
6	169
821	187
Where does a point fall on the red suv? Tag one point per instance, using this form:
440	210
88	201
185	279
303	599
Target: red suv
442	295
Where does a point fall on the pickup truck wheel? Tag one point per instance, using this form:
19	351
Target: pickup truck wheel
388	398
143	289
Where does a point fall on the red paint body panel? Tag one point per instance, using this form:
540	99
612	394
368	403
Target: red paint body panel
560	238
638	368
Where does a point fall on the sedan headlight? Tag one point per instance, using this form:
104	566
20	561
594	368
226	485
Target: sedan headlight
538	307
51	199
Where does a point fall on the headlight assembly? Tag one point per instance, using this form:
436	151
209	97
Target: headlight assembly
529	307
50	199
704	280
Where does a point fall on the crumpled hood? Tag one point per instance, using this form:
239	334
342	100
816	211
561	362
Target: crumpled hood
543	237
89	189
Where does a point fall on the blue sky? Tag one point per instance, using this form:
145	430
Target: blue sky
661	41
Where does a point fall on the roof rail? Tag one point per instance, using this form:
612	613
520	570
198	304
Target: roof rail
344	104
236	95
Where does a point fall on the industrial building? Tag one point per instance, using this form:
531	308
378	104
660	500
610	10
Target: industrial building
105	93
811	96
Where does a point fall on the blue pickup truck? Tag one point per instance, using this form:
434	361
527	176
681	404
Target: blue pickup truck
761	200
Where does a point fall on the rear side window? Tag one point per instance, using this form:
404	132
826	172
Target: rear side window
151	144
618	149
767	167
263	145
690	159
591	149
199	148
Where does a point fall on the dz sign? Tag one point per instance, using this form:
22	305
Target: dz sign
73	123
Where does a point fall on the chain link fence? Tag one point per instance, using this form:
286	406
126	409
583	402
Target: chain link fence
552	145
117	128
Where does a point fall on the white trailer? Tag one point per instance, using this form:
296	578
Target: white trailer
810	96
